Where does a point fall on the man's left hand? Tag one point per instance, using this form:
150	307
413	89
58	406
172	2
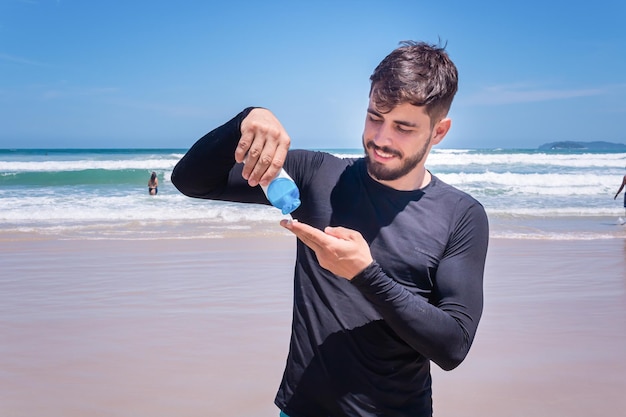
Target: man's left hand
344	252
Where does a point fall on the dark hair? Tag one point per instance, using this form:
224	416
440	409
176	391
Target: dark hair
153	176
418	73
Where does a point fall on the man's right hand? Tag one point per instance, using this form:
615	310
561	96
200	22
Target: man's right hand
263	145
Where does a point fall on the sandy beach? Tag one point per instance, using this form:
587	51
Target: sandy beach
200	327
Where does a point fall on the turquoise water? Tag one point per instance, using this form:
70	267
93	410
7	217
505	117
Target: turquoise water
92	192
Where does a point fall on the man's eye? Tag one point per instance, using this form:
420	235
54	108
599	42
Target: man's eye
402	130
374	119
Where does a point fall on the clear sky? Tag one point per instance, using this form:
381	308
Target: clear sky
133	73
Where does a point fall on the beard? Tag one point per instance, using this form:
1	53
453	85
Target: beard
382	172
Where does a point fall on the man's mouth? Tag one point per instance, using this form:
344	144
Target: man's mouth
383	153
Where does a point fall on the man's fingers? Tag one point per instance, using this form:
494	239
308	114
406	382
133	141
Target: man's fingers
263	146
243	146
251	160
264	168
309	235
275	163
342	233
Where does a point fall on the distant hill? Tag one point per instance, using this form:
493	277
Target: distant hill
592	146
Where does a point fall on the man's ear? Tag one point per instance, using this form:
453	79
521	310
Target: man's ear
441	129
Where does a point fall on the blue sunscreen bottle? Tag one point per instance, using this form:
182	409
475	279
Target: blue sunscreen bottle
283	192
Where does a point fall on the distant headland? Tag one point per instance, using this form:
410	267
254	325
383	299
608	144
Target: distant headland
592	146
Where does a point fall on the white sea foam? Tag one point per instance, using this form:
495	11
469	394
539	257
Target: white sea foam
81	165
534	184
74	207
463	158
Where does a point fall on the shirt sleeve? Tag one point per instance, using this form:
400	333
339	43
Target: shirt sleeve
209	170
442	330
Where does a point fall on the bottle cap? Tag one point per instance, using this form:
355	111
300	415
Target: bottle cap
290	206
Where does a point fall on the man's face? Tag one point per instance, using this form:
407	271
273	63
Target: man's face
397	143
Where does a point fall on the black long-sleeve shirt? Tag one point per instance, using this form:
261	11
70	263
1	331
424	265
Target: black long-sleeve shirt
362	347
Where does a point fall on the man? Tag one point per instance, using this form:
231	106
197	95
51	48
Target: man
390	259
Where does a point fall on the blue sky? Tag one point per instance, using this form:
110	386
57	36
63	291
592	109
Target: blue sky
126	73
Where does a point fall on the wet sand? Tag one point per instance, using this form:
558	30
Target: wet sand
200	327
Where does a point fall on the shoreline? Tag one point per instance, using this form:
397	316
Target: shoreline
534	228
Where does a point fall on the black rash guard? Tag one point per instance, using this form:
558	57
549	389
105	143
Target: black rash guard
362	347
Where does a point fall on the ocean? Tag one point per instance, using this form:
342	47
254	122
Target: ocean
90	193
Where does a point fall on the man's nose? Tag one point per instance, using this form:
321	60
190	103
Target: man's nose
382	135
